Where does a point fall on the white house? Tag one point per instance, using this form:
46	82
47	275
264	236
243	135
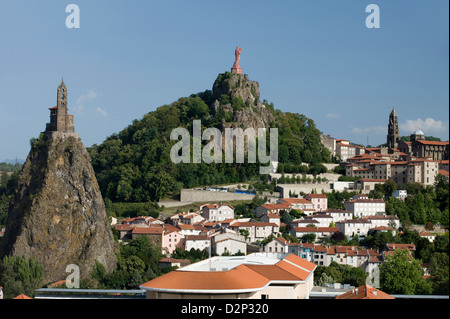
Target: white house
324	219
270	218
400	193
197	242
229	242
365	207
351	227
190	218
427	235
217	212
186	230
339	214
384	220
271	208
256	230
304	222
320	232
297	203
277	245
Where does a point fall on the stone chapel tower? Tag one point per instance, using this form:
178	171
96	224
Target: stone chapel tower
393	137
60	119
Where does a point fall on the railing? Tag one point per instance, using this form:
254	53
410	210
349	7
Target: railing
63	293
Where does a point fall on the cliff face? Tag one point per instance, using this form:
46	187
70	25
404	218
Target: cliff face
57	213
235	93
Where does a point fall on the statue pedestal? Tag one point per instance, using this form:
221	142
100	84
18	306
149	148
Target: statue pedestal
237	70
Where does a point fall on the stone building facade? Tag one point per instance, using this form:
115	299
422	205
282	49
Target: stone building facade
60	120
418	147
393	137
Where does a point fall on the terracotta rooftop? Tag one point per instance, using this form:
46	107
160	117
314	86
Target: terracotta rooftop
432	142
317	195
295	201
315	229
243	278
365	292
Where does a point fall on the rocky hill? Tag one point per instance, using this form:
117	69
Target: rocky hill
57	213
235	93
134	164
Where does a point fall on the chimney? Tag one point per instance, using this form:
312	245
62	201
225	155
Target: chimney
374	292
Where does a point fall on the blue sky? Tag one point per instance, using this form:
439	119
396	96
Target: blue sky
317	58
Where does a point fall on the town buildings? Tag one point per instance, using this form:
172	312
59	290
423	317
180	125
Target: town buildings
413	161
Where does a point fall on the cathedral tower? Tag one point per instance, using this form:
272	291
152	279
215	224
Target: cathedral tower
393	137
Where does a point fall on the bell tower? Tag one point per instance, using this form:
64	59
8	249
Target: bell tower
60	119
62	95
393	137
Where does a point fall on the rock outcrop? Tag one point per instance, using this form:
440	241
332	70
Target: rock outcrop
57	213
236	94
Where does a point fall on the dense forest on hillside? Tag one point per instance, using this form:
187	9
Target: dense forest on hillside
134	165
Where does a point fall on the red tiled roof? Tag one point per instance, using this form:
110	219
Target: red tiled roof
315	229
253	224
123	227
317	195
276	206
432	142
197	237
147	230
243	277
295	201
365	292
22	296
443	172
393	247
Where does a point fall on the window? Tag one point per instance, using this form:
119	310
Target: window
264	296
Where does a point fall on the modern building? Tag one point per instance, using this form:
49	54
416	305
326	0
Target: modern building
255	276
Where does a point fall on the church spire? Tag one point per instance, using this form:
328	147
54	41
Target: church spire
393	137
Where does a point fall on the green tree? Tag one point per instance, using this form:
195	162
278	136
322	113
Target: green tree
439	273
354	276
309	238
20	275
402	274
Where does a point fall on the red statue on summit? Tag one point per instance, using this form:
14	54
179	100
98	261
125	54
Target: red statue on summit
236	68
